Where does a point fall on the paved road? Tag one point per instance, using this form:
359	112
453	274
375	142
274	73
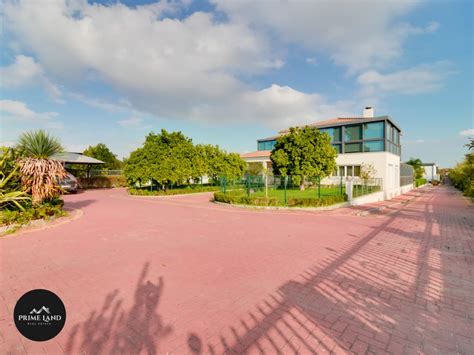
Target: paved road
181	275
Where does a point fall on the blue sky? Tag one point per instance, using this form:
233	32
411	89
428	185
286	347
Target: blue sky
228	73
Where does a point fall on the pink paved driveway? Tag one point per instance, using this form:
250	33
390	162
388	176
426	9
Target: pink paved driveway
181	275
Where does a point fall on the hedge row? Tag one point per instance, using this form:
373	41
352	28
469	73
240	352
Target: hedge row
180	191
420	181
273	201
102	181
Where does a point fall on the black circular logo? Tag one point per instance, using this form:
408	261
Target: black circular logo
39	315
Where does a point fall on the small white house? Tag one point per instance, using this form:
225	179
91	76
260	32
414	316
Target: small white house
430	171
366	140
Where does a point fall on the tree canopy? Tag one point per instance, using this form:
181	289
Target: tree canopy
102	152
304	152
417	165
171	158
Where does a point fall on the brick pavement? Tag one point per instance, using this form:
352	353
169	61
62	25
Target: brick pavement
181	275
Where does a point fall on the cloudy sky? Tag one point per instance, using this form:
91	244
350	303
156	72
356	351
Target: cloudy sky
229	72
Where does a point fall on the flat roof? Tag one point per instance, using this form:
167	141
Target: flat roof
341	121
75	158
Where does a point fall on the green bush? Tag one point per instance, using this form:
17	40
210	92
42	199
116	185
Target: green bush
420	181
103	182
243	199
47	210
315	202
179	191
462	175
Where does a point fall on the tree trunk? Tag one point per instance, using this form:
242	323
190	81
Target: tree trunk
302	183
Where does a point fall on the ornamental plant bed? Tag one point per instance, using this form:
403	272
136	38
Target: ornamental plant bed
241	198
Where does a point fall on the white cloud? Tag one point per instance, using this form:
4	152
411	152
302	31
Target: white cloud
420	79
467	132
357	34
25	71
312	61
185	69
19	111
132	121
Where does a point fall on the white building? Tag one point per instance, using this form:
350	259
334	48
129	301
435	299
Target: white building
430	171
367	140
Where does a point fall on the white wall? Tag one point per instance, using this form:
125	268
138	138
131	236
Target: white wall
430	172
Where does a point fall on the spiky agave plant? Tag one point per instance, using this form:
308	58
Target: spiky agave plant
39	173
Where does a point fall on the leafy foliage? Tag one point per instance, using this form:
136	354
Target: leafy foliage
417	167
304	152
244	199
171	159
181	191
11	194
47	210
102	152
38	144
462	175
39	174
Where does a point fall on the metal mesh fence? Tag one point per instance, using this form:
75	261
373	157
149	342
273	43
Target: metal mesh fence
283	188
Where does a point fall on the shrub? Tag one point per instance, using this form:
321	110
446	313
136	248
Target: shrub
244	199
315	202
420	181
184	190
103	182
47	210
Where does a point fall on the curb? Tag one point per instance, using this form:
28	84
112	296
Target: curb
73	214
324	208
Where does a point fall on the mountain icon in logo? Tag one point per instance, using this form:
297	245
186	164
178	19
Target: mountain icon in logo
40	310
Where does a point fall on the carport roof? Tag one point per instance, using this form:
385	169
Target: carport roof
75	158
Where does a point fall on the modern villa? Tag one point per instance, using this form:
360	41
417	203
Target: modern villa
358	140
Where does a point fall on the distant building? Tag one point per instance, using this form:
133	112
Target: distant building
430	171
358	140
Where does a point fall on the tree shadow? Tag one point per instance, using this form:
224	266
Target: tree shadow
113	329
79	204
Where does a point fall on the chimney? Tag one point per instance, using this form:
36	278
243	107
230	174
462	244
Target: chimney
368	112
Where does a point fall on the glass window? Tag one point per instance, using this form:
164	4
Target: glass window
387	130
266	145
349	170
338	148
341	171
357	170
352	147
334	133
373	130
353	133
373	146
397	137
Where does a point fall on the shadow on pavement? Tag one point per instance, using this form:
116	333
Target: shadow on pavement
385	292
115	330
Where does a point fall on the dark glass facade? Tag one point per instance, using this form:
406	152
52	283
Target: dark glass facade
378	136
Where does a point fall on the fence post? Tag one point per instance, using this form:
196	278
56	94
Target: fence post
340	186
247	182
319	187
349	192
286	184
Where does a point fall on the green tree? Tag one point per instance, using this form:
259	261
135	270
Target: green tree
417	167
302	153
165	158
462	175
39	173
102	152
